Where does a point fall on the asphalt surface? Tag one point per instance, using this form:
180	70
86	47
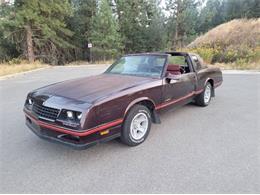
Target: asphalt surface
215	149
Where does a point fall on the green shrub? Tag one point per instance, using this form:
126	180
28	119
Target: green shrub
228	55
103	55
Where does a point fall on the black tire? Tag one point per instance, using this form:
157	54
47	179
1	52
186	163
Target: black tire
126	136
200	100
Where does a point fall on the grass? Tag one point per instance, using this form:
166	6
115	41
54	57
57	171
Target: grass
22	66
232	45
7	69
236	33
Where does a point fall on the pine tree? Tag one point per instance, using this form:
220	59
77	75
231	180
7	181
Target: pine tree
81	23
183	21
7	48
241	9
155	29
38	29
104	35
140	21
211	15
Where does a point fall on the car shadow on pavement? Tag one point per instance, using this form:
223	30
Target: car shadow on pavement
59	149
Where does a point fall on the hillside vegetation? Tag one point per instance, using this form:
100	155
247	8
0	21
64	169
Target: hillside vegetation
235	43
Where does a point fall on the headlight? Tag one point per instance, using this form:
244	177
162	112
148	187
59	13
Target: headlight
79	115
30	101
70	115
70	118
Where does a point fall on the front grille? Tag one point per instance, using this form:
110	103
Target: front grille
45	112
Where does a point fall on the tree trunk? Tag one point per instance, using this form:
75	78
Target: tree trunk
176	34
29	44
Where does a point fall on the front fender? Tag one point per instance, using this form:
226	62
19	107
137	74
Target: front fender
137	101
145	100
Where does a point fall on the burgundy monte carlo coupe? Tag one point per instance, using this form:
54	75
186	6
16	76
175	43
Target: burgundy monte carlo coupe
121	102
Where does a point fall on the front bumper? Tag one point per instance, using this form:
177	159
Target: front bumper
77	142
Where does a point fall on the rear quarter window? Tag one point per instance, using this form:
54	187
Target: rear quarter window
198	63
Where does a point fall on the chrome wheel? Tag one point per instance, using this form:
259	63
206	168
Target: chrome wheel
139	126
207	94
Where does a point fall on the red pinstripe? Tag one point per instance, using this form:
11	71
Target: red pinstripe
183	98
174	101
72	132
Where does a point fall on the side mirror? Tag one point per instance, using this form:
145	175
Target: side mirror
170	78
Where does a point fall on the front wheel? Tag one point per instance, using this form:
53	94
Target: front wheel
136	126
204	98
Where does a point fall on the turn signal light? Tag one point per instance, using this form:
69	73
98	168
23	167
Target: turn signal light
104	132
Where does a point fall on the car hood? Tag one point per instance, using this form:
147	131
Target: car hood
90	89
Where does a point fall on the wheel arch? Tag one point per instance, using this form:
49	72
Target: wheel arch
149	104
211	81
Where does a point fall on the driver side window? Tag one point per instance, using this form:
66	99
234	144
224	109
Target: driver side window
179	60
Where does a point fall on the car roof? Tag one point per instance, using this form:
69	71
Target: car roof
159	53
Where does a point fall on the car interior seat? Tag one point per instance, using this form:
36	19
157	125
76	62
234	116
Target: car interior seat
174	69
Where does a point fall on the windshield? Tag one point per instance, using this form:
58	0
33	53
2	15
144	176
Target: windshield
140	65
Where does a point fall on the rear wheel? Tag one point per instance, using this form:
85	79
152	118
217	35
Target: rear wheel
204	98
136	126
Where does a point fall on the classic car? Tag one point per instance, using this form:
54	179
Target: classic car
123	101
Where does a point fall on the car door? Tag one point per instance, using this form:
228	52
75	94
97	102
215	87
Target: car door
183	86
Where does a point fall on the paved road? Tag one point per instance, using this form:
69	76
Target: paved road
195	150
